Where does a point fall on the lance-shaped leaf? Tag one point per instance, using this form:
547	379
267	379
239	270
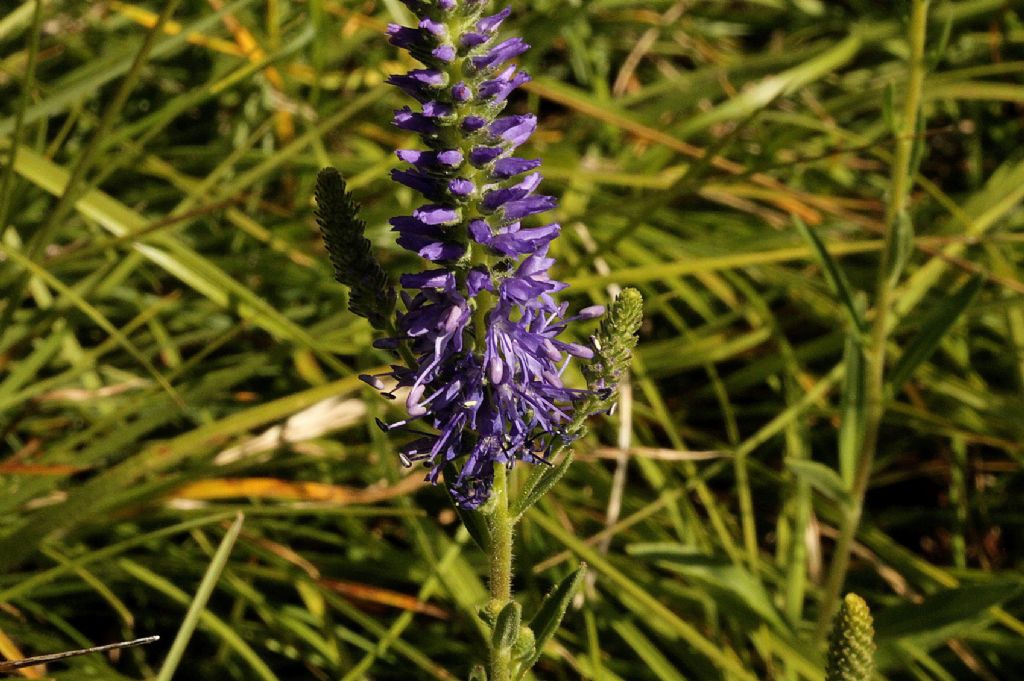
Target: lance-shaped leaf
548	618
834	275
371	295
852	409
900	246
936	325
822	478
539	483
945	614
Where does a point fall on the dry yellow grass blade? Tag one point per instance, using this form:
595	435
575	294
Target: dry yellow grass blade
290	490
284	126
376	595
144	17
9	649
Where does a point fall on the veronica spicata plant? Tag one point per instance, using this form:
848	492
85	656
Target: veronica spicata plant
479	330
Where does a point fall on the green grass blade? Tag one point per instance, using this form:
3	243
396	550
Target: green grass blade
199	601
933	329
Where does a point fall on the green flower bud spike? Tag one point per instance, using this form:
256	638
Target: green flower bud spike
851	650
613	351
371	295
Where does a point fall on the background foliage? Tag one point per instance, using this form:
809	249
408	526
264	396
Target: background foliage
173	349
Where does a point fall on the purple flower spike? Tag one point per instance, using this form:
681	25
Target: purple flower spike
490	24
498	89
444	53
461	187
531	205
481	156
473	123
500	54
514	130
510	167
492	396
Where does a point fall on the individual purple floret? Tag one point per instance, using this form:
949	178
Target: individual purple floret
483	324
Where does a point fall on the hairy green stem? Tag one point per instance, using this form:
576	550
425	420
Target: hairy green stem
500	556
902	182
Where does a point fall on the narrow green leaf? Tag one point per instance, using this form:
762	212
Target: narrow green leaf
901	246
94	314
822	478
770	88
935	326
30	367
95	495
539	483
938	51
654	660
202	597
166	251
209	621
944	614
834	275
919	147
478	674
549	616
93	79
851	425
25	586
726	580
889	108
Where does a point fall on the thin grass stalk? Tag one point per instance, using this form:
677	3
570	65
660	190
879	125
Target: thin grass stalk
746	503
796	570
202	597
902	181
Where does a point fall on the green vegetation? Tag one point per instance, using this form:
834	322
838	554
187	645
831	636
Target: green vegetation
820	203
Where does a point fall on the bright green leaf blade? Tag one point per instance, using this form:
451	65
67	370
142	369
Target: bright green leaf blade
540	482
202	597
822	478
945	614
549	616
726	579
935	326
834	275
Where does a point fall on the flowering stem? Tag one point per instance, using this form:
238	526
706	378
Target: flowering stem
888	274
500	555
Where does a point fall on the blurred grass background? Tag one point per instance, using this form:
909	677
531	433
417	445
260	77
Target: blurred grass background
173	349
